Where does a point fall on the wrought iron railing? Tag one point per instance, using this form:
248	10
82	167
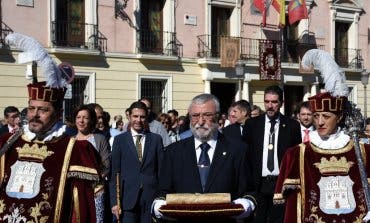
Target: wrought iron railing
158	42
349	58
75	34
5	30
209	46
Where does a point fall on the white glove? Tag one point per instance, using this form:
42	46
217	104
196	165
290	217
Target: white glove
247	205
367	217
155	207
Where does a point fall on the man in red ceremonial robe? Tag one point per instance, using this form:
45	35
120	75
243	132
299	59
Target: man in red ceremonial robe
45	175
319	180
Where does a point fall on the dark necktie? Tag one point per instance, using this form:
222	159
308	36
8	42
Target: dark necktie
139	147
204	163
271	145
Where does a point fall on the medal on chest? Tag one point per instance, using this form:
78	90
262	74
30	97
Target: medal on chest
26	172
336	187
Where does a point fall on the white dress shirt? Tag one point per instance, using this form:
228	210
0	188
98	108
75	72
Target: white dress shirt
212	143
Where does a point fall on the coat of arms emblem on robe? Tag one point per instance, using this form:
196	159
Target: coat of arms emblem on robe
26	172
336	193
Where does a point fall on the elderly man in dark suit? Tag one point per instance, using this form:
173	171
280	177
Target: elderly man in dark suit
268	137
136	157
206	162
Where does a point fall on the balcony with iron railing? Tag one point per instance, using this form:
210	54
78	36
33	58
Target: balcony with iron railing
5	30
158	42
77	35
291	51
348	58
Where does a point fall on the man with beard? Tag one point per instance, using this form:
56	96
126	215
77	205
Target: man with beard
46	176
268	137
305	118
227	169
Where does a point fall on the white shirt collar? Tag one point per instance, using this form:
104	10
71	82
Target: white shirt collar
267	119
309	128
337	140
211	142
57	130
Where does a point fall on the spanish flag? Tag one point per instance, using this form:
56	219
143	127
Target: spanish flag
279	6
297	10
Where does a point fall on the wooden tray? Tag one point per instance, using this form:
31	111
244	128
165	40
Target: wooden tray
201	210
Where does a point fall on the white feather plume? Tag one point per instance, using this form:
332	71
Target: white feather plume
334	78
34	51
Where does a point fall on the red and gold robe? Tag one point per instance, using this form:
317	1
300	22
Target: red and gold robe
48	181
322	185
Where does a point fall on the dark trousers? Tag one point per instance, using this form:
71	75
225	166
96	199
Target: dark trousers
266	212
141	213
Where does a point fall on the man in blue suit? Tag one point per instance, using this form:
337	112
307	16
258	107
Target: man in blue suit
206	162
136	159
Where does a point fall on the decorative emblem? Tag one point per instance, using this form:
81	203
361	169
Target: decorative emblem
34	152
336	195
24	181
328	167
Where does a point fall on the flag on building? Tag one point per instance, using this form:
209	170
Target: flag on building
297	10
279	6
260	5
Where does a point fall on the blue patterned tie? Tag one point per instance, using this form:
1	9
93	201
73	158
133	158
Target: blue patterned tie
204	163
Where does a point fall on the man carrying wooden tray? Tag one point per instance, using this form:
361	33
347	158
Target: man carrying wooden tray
206	163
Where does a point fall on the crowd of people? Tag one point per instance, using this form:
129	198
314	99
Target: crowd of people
266	167
258	148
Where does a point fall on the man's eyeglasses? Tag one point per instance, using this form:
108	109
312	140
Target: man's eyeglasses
207	116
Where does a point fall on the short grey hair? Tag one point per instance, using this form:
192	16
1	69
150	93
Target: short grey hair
203	98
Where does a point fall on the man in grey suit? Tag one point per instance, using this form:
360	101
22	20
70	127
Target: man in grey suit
268	137
136	157
206	162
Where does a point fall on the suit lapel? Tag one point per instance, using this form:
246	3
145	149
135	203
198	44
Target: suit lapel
282	134
131	144
219	158
260	135
147	146
191	156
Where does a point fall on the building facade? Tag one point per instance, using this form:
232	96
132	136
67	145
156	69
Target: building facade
171	50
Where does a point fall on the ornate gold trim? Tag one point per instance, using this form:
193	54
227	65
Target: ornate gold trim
76	204
292	181
62	181
299	206
200	211
301	173
363	153
82	169
2	168
347	148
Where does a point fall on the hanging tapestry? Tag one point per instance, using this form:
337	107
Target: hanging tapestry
230	51
270	60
